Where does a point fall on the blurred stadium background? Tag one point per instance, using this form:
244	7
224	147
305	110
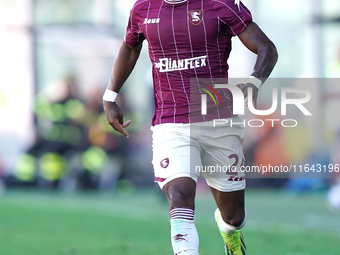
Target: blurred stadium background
69	185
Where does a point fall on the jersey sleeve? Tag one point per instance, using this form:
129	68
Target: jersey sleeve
235	15
134	35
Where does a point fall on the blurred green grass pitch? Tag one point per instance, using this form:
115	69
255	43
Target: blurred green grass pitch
41	223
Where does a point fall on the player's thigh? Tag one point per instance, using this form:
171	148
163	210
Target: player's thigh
223	157
173	153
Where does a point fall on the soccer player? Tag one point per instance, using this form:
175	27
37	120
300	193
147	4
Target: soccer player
190	40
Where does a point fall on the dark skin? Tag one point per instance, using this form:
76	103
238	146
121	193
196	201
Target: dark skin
123	66
181	192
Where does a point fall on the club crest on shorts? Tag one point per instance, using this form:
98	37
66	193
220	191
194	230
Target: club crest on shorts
164	163
195	16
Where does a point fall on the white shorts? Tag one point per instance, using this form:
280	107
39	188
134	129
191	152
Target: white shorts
200	149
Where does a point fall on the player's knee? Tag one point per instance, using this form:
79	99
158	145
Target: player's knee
180	197
180	192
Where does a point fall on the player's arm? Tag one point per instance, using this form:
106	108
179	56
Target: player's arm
257	42
122	68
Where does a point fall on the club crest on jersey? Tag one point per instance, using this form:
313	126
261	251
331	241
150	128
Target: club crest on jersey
164	163
195	16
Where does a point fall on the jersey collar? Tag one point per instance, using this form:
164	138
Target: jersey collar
175	1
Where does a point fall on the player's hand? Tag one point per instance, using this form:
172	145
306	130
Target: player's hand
114	116
255	90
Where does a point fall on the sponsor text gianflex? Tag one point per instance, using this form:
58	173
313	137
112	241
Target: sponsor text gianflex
168	64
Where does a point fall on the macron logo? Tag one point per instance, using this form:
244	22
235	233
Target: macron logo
151	21
168	64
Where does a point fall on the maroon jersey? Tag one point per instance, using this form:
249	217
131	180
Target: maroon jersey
187	41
